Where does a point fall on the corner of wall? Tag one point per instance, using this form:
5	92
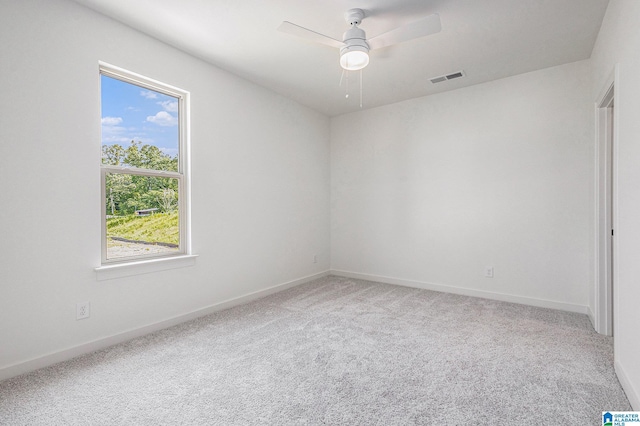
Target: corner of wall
632	393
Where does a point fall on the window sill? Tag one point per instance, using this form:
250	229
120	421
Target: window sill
121	270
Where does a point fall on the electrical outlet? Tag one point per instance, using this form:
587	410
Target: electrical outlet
488	271
83	310
315	258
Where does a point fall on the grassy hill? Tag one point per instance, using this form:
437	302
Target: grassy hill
156	228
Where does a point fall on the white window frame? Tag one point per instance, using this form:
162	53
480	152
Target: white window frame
182	175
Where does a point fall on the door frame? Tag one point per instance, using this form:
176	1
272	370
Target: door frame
606	117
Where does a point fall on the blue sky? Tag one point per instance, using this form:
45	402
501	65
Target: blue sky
131	112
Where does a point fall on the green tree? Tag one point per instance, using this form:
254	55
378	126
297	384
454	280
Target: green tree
119	188
112	155
127	193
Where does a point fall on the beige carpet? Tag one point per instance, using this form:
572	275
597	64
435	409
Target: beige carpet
338	351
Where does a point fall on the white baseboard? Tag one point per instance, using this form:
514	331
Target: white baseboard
541	303
85	348
632	395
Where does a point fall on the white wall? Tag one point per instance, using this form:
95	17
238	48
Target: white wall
429	191
260	189
619	43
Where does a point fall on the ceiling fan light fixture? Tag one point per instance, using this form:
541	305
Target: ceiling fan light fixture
354	55
354	47
353	58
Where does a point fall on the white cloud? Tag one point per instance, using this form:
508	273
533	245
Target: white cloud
148	94
111	121
163	118
111	139
111	131
171	106
122	136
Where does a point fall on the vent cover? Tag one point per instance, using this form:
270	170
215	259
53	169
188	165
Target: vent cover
442	78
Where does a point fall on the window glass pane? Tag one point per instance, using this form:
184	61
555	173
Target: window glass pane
142	215
139	126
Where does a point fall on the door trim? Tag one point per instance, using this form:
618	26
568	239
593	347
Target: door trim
605	205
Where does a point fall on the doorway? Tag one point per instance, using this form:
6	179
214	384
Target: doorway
605	236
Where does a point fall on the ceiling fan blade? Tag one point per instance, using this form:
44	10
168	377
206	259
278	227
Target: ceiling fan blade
423	27
297	30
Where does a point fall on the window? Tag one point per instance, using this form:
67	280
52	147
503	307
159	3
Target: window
143	166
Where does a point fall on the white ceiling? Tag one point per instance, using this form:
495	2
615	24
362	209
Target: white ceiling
487	39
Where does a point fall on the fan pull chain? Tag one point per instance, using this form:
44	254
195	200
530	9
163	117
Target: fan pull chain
345	77
346	84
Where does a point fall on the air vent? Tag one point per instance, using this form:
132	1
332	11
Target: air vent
438	79
442	78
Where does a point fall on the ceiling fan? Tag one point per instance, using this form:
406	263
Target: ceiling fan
355	47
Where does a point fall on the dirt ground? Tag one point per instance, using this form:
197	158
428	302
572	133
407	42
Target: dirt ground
116	249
